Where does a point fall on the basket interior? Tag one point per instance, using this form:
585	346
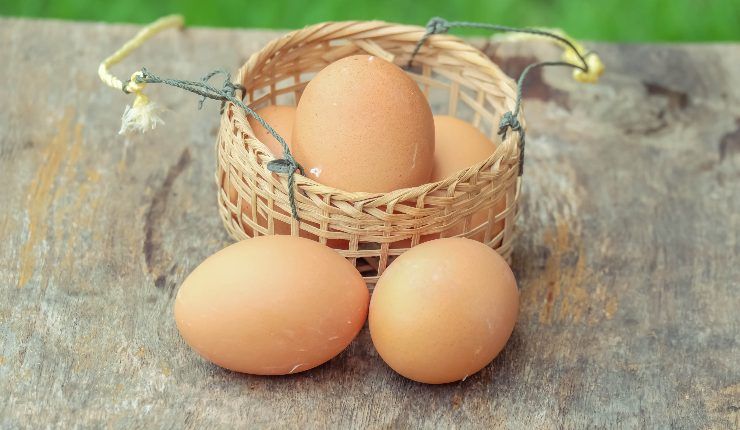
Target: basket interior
282	81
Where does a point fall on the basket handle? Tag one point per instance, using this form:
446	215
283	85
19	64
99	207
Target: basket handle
143	115
146	33
586	64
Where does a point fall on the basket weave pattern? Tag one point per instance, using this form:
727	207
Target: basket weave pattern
370	229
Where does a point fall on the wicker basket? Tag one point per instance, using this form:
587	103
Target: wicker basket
370	229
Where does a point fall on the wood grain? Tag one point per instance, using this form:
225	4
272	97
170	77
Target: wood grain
627	259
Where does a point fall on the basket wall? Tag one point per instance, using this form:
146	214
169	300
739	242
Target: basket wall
370	229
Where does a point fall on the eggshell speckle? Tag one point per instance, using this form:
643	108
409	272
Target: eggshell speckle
362	124
443	310
271	305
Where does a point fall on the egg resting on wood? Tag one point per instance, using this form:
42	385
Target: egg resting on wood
443	310
271	305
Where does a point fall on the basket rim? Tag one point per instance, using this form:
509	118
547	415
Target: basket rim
406	33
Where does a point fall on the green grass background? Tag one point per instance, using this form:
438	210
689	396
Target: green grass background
609	20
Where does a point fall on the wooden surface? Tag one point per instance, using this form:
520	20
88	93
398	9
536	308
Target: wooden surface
627	259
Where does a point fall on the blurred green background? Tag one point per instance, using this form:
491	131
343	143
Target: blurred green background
611	20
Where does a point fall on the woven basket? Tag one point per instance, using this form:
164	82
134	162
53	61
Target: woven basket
370	229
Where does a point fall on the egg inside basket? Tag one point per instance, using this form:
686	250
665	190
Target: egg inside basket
370	229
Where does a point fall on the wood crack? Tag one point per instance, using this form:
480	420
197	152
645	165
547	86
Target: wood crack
153	252
729	143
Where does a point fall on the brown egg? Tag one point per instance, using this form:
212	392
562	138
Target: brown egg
363	124
281	119
458	145
271	305
443	310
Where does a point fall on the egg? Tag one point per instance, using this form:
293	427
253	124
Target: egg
443	310
459	145
271	305
362	124
281	119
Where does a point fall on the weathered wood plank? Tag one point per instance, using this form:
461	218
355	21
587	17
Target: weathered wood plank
627	259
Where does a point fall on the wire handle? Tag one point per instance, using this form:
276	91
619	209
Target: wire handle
124	51
586	64
144	114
